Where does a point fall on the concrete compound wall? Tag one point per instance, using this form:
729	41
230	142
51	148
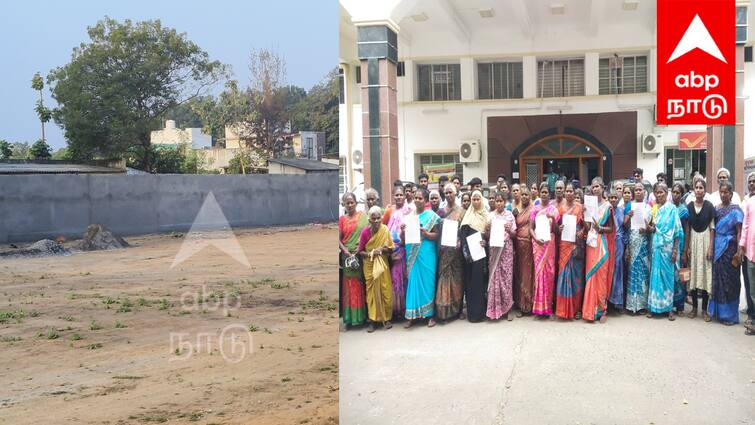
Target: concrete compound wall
34	207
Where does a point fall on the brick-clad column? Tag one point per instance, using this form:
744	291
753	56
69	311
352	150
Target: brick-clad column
377	50
726	143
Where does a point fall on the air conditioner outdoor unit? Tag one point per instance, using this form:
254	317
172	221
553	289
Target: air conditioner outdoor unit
652	144
357	158
469	151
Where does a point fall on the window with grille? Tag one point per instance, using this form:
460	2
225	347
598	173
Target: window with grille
559	78
439	82
341	88
627	74
500	80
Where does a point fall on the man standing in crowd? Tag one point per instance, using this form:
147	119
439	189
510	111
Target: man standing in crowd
422	180
747	252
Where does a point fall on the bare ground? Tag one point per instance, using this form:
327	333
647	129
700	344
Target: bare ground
87	338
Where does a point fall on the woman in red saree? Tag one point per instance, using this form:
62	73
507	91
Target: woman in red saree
599	258
523	281
544	256
350	226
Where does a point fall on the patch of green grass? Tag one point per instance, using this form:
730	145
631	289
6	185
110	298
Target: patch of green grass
67	318
261	282
287	379
75	337
52	333
9	338
94	326
143	301
94	346
109	300
279	285
16	315
163	304
125	307
119	325
253	328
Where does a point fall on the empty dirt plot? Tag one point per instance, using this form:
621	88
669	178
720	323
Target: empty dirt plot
118	337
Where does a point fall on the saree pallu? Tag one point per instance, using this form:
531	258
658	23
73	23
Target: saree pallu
616	296
449	294
501	266
571	277
523	281
392	218
639	270
421	264
599	263
662	276
353	306
545	266
724	298
680	288
377	277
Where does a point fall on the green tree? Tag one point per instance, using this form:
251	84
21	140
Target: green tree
61	153
5	149
119	85
20	150
44	114
40	150
246	161
318	111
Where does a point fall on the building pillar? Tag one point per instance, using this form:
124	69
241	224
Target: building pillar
377	51
726	142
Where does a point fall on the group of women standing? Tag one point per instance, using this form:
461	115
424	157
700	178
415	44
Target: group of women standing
630	264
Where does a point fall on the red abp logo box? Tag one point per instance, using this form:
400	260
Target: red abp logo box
696	62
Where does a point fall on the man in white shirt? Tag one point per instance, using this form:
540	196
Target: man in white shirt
723	175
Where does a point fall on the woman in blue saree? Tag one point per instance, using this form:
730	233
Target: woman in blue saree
421	263
616	296
639	259
680	290
667	232
724	298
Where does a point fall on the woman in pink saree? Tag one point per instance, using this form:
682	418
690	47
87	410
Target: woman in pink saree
544	256
392	219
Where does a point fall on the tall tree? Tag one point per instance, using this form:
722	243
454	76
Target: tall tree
37	83
318	111
5	149
20	150
118	86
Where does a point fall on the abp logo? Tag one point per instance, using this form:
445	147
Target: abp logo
696	63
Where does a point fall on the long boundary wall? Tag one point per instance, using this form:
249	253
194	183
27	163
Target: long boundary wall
34	207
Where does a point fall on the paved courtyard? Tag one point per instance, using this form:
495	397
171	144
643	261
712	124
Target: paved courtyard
630	370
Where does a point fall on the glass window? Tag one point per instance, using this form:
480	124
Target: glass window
559	78
439	82
499	80
627	74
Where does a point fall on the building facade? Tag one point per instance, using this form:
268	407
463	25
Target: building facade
518	87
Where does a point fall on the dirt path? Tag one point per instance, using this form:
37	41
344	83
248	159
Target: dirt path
117	337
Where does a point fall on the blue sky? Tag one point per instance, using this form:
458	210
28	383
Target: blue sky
39	36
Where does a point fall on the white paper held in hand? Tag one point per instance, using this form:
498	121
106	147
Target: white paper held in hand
411	231
543	228
638	216
591	207
497	232
476	250
450	233
569	233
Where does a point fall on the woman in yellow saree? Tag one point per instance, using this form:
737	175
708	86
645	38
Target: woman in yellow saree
375	245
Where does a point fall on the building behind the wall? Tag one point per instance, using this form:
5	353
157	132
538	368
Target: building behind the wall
530	84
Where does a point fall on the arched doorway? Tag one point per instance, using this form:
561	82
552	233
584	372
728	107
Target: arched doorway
565	154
